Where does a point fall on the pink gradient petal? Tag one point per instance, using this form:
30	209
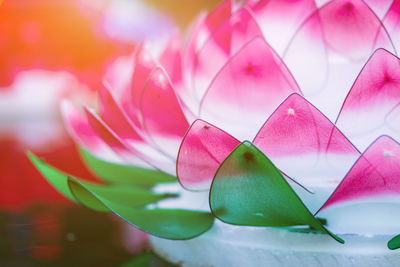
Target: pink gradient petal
118	74
375	173
306	146
218	15
367	200
230	36
279	19
380	7
130	99
115	117
203	29
135	153
162	115
392	23
392	120
110	138
375	94
203	149
330	48
171	61
82	133
350	28
247	90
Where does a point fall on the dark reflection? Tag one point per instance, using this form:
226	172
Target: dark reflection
74	236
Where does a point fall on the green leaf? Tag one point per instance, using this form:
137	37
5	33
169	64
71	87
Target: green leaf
56	178
122	194
165	223
249	190
125	202
394	243
118	173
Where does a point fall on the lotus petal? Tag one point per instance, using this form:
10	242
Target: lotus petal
82	133
133	153
306	146
368	199
279	19
161	113
247	90
373	96
334	43
392	23
202	150
230	36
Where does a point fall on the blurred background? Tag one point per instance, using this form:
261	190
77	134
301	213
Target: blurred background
49	50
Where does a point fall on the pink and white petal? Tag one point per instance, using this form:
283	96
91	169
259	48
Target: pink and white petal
117	120
369	195
193	43
161	113
115	117
203	28
203	149
104	132
79	129
247	90
135	153
320	3
306	146
144	66
373	96
235	32
392	23
351	29
279	19
392	119
118	74
130	99
380	7
330	49
171	61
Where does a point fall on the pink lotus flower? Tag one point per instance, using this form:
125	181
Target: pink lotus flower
314	86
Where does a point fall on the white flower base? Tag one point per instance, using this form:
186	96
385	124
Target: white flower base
228	245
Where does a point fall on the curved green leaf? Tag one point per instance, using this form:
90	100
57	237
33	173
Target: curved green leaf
56	178
122	194
249	190
394	243
125	201
165	223
119	173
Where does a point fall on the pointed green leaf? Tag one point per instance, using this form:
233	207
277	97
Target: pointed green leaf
56	178
394	243
126	195
125	200
119	173
249	190
165	223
